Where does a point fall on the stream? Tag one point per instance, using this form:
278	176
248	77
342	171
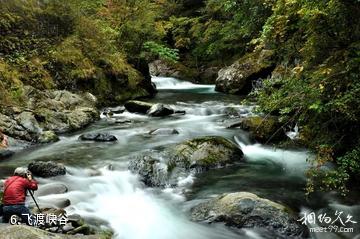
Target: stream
104	192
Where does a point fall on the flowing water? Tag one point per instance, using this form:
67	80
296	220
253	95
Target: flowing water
104	192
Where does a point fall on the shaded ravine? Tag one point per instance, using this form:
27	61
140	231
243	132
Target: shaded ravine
104	192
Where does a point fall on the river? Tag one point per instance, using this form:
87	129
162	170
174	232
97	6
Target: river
104	192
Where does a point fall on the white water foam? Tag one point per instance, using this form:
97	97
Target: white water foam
292	161
133	212
169	83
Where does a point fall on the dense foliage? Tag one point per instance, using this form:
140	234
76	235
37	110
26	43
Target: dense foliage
316	84
73	45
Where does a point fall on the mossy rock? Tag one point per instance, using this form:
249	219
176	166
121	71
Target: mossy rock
207	152
135	106
247	210
48	137
238	78
165	167
264	129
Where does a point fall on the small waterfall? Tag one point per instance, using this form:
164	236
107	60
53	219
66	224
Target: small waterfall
291	161
169	83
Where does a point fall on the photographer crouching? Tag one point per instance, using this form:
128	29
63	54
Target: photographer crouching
15	193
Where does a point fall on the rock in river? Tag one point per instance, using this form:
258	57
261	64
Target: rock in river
99	137
196	155
47	169
136	106
163	131
159	110
247	210
5	153
238	78
264	129
52	188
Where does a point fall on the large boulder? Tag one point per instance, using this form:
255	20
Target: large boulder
11	127
159	110
136	106
247	210
171	69
238	78
206	152
47	169
264	129
161	68
201	154
47	112
98	137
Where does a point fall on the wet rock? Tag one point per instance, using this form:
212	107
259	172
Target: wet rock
60	202
51	203
238	78
159	110
117	110
183	112
52	188
207	152
135	106
122	121
234	124
5	153
264	129
48	137
76	220
47	169
98	137
196	155
163	131
68	227
247	210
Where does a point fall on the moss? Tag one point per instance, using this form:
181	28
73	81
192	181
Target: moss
206	152
105	234
265	129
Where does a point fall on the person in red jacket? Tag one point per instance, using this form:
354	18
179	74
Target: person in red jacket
15	194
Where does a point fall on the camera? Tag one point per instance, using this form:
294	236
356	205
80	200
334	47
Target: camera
28	174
